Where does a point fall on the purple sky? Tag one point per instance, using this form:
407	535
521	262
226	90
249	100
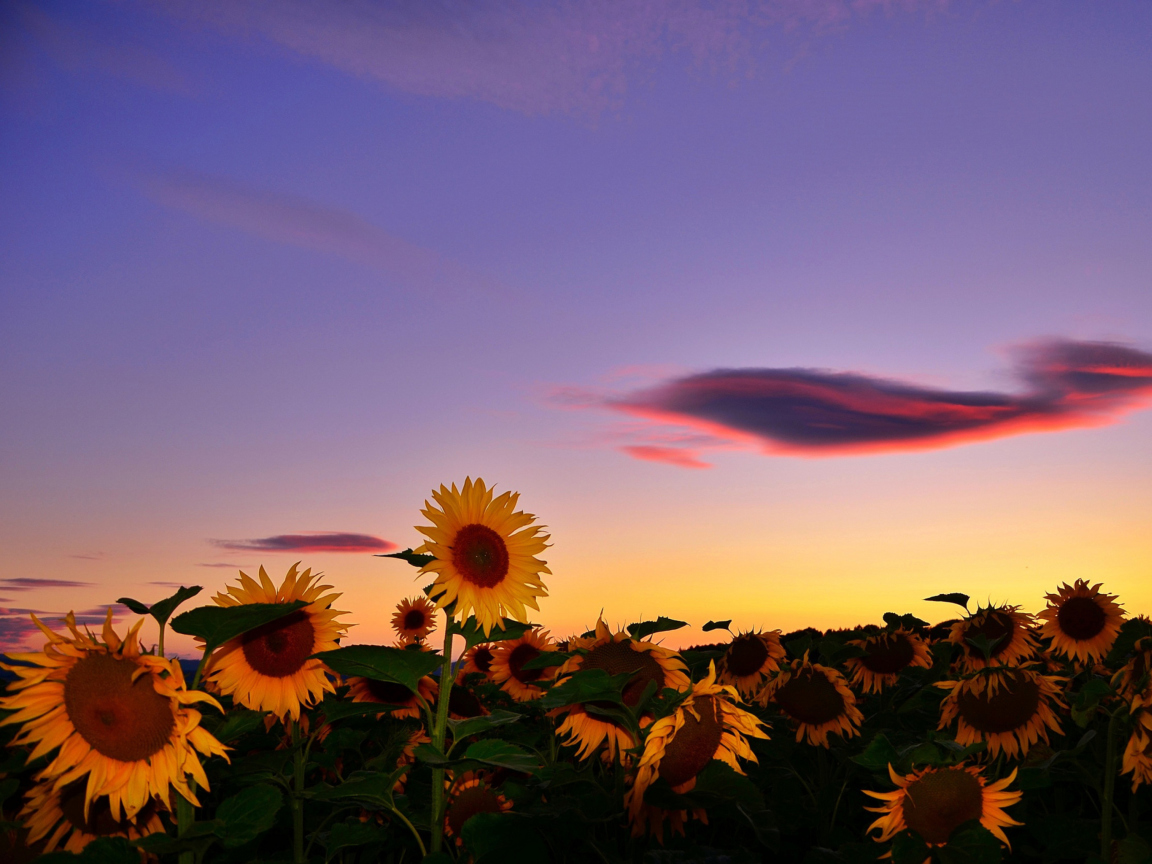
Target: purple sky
270	272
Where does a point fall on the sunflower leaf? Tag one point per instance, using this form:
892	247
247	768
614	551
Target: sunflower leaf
878	755
501	754
349	835
102	850
373	788
474	634
661	625
958	599
716	625
431	754
971	843
1130	631
507	838
547	659
416	560
908	847
135	605
217	624
237	723
248	814
475	725
985	645
163	609
586	685
382	663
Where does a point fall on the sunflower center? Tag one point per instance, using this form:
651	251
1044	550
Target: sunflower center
389	692
1012	705
616	658
888	654
279	648
414	619
811	698
940	802
1080	617
468	802
520	655
994	626
463	702
694	744
482	658
480	555
99	822
120	718
746	655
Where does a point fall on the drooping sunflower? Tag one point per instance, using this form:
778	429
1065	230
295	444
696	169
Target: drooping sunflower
749	659
470	794
407	704
707	725
1009	709
817	698
414	619
119	717
1138	753
934	802
484	554
508	661
616	654
1133	678
60	815
1081	622
478	659
1008	628
885	656
268	669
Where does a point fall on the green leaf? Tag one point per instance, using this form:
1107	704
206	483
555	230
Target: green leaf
135	605
908	847
878	755
586	685
382	663
8	788
958	599
660	625
474	634
102	850
985	645
475	725
546	660
163	610
431	754
1133	849
335	710
217	624
411	557
247	814
348	835
971	843
370	788
498	838
1130	631
716	625
502	754
239	722
799	646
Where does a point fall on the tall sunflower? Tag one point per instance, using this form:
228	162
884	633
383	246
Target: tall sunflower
60	814
484	554
817	698
117	716
885	656
414	619
268	669
479	659
508	661
1138	753
463	703
407	703
1009	629
616	654
1010	709
1081	622
934	802
749	659
471	794
707	725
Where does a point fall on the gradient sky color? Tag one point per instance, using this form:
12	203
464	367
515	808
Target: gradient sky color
271	272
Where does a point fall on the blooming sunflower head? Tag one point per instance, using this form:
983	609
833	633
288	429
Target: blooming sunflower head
404	702
1007	630
1009	709
509	659
483	554
59	814
470	794
934	802
1081	622
271	668
414	619
1138	753
478	659
885	656
816	698
112	714
749	659
1135	676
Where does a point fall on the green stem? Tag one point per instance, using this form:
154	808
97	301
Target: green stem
160	647
1106	806
438	733
412	828
298	797
185	817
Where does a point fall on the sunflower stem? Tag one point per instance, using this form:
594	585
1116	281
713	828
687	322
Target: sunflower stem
298	797
439	729
185	818
1106	805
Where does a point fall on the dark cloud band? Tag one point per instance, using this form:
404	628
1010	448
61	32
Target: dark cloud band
310	542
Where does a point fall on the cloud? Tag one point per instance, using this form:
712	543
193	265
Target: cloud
306	224
223	565
1067	384
95	556
25	584
312	541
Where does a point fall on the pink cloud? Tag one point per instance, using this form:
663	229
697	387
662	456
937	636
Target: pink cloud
312	541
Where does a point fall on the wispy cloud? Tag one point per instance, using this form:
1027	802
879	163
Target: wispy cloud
1067	384
222	565
312	541
93	556
22	583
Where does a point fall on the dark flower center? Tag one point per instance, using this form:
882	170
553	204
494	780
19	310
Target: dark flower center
389	692
99	822
482	658
120	718
1013	705
694	744
940	802
888	654
281	647
480	555
468	802
1080	617
520	655
810	697
463	702
746	655
414	619
994	626
616	658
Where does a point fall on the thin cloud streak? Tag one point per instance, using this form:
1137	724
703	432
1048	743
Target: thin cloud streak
313	541
22	583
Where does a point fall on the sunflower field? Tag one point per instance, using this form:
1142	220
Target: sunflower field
478	736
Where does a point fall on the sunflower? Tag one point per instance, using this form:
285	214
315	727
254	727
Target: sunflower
119	717
414	619
471	794
817	698
885	656
268	669
616	654
1010	709
407	703
934	802
1138	753
1133	678
60	815
408	755
462	702
1081	622
508	665
479	659
749	659
483	554
707	725
1010	630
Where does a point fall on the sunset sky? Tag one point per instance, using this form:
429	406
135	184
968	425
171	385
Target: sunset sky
792	312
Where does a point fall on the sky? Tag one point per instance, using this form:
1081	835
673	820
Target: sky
790	312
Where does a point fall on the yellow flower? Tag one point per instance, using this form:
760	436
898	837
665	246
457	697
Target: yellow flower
1004	625
392	693
818	700
113	715
1010	709
471	794
414	619
1133	678
886	655
60	815
479	659
508	661
934	802
483	554
749	659
1138	754
1081	622
268	669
